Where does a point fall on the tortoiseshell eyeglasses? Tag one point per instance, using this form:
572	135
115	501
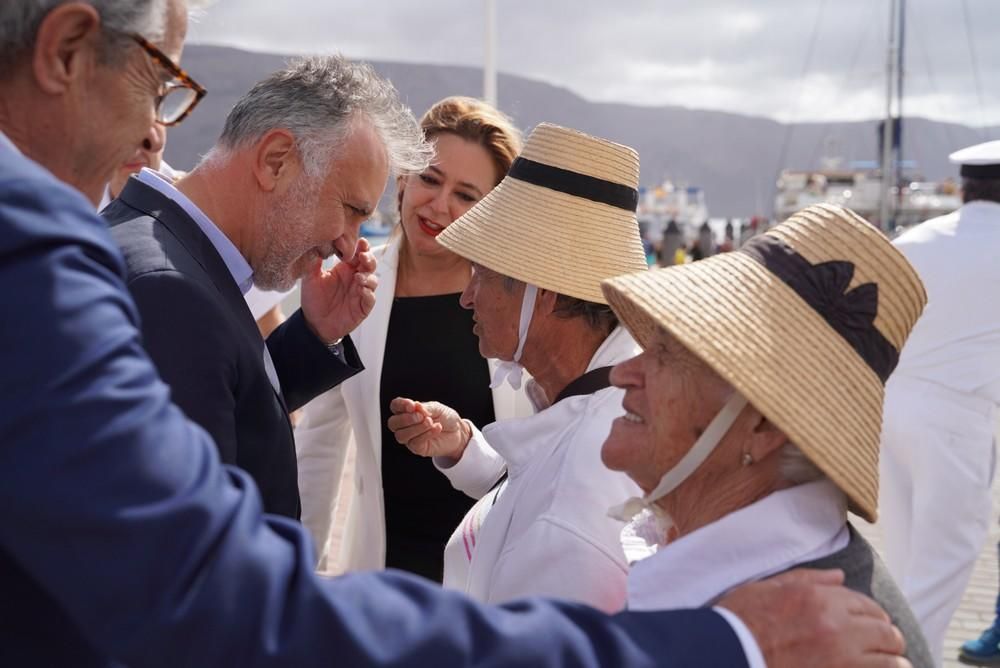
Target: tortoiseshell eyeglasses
179	95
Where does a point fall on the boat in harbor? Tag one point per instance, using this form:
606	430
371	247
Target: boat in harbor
683	204
859	187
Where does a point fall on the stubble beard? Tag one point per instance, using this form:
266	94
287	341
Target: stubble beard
286	227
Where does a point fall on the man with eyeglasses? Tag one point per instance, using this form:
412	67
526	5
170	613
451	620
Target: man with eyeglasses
177	98
122	538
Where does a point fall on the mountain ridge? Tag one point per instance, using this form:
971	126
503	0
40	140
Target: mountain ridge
735	157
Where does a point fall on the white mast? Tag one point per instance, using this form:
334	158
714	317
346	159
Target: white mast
888	130
490	57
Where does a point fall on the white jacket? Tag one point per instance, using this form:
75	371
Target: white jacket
956	341
548	532
348	417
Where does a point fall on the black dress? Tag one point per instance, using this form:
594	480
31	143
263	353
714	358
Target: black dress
431	354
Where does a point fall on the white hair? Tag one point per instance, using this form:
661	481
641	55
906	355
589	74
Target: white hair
795	467
318	100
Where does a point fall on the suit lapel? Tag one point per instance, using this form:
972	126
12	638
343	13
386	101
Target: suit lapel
168	213
177	222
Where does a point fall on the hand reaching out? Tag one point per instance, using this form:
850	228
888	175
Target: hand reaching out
429	429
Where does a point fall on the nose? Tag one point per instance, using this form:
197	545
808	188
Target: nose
628	373
347	244
468	298
156	137
440	202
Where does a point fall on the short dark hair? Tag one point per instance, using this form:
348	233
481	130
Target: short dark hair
599	317
980	189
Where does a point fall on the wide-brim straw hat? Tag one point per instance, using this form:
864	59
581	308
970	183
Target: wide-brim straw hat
562	219
806	321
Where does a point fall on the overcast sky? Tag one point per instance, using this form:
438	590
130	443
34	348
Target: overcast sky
786	59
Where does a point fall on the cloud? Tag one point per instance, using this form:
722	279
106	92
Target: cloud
765	57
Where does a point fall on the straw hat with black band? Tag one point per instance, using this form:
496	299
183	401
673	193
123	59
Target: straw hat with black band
806	322
562	219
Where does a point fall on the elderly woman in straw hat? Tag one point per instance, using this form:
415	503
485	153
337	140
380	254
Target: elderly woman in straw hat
753	413
562	220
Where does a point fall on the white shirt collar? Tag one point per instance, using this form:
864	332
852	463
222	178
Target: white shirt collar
165	170
785	528
608	353
240	269
518	440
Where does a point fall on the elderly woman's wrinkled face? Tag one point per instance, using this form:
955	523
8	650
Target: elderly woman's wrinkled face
496	312
670	397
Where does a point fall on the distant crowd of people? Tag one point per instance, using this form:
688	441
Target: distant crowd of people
497	439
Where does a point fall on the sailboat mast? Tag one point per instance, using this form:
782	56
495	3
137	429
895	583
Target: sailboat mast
885	215
898	128
490	56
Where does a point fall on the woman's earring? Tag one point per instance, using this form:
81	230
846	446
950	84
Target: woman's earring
747	459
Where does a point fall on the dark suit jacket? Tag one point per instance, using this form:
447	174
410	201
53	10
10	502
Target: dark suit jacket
122	537
864	572
199	331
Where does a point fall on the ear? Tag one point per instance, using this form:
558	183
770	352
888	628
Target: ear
545	303
65	46
276	160
765	437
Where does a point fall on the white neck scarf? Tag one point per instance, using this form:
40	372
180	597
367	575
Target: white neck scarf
512	371
688	464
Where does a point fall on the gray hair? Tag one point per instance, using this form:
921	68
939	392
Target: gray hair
795	467
318	99
20	20
598	317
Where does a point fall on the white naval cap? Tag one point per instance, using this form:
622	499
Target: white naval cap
981	161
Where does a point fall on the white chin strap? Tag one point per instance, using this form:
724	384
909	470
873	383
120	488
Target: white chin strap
688	464
512	371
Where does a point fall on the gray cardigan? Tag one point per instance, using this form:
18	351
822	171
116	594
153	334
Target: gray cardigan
864	572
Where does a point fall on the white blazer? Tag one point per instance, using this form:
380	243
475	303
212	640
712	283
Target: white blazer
348	417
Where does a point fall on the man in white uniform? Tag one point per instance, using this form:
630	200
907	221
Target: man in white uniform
938	425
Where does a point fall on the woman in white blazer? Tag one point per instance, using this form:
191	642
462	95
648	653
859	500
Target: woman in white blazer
417	342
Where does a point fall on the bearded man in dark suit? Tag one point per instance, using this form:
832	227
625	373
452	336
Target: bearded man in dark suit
302	161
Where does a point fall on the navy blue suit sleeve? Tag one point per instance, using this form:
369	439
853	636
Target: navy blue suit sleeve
117	507
193	351
307	368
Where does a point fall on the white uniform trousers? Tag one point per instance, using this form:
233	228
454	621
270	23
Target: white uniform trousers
937	464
